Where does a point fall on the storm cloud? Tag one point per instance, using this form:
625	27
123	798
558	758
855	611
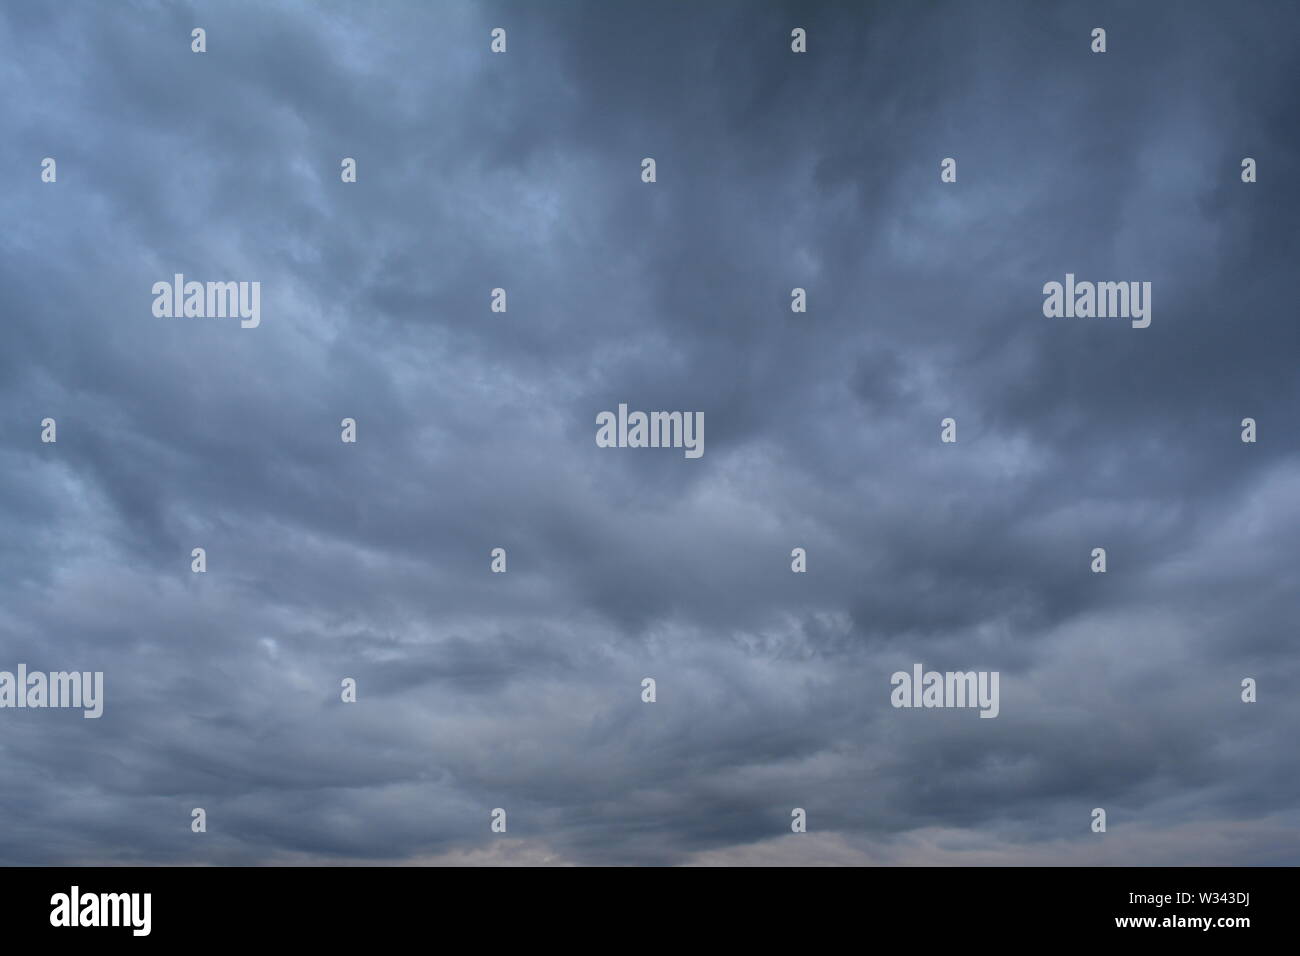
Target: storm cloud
476	429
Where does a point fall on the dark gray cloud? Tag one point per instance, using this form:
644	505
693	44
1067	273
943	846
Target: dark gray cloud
521	690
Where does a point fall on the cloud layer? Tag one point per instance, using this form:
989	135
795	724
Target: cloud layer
522	690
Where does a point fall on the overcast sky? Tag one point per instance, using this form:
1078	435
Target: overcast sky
476	430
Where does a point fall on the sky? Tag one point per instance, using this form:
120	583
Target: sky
476	430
